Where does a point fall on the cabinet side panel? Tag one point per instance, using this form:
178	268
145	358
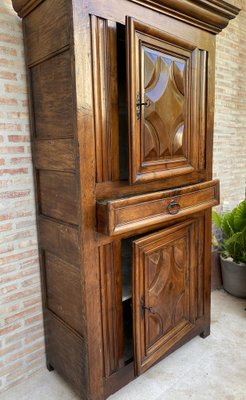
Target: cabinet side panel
49	57
63	291
58	196
90	274
52	95
47	29
67	352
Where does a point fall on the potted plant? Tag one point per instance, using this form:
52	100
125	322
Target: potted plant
232	248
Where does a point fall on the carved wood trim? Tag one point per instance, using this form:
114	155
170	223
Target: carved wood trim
105	91
24	7
112	323
210	15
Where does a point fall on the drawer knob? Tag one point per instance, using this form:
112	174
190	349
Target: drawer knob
173	207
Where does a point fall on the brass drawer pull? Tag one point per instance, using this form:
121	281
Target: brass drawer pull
173	207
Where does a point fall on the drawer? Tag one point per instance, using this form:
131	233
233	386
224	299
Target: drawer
116	216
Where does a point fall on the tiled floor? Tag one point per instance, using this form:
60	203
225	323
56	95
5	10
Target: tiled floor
210	369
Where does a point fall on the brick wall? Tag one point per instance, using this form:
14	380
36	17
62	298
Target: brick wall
21	330
230	110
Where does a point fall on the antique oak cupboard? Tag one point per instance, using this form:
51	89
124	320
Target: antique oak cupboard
121	104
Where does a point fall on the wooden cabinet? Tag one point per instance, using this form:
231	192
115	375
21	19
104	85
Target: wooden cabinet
121	97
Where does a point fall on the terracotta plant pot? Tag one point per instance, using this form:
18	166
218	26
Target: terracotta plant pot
233	277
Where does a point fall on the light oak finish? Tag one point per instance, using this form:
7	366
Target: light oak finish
123	191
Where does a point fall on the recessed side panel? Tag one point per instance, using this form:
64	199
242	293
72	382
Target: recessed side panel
63	291
52	95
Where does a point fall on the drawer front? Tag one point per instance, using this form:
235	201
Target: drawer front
129	214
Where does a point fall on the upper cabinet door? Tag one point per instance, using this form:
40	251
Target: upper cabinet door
167	88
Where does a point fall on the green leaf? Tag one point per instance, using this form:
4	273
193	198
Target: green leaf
240	216
228	227
235	238
217	219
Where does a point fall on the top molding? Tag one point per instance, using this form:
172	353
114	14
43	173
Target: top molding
210	15
24	7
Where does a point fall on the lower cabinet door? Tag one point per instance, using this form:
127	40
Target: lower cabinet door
165	290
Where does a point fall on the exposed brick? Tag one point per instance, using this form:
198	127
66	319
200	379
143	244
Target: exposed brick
5	62
20	295
8	50
32	358
19	138
21	315
8	329
15	88
6	38
10	127
6	227
8	289
21	160
8	75
230	112
37	336
7	101
12	150
24	333
18	114
9	349
15	194
32	320
13	171
11	367
26	350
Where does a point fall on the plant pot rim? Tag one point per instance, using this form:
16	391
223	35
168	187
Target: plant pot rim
230	260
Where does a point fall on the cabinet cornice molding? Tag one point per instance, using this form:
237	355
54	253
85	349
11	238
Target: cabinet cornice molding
210	15
24	7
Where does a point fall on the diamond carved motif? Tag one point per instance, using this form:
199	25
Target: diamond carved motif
164	121
167	270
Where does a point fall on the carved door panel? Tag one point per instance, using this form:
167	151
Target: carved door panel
164	303
166	80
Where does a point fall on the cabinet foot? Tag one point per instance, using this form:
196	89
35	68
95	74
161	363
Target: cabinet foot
49	367
205	333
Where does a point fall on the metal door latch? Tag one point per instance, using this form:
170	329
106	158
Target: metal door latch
144	307
139	104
